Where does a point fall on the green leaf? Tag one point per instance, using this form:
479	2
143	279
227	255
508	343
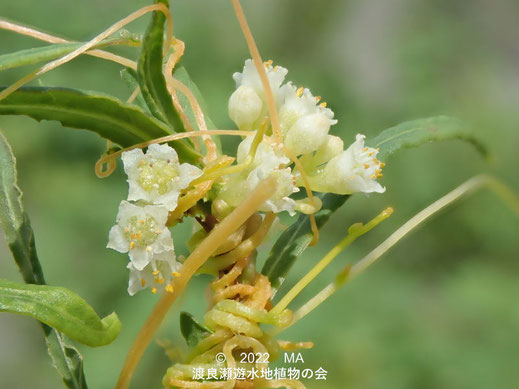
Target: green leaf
46	53
35	55
20	239
192	331
296	238
150	76
418	132
180	73
129	76
61	309
122	123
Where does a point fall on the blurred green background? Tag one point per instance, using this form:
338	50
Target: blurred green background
439	311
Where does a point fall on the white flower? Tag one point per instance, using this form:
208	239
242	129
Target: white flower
140	231
354	170
247	105
298	102
268	161
157	177
157	275
307	134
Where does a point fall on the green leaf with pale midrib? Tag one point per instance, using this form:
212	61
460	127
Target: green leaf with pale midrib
192	331
415	133
20	238
61	309
112	119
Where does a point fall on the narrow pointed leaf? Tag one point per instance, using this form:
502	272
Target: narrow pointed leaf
192	330
415	133
150	76
122	123
61	309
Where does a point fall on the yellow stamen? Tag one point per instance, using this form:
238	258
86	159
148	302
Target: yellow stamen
175	274
323	104
318	98
169	288
371	153
364	149
299	91
143	282
159	280
382	164
154	290
366	166
373	176
132	245
379	175
156	272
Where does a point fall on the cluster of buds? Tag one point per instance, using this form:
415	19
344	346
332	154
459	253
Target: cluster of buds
304	124
155	180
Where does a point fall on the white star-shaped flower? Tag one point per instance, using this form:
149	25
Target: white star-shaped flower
157	177
354	170
140	231
157	275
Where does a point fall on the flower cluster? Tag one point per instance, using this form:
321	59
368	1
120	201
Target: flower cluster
155	180
304	125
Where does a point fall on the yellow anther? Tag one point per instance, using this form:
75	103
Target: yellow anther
382	164
371	153
366	166
268	63
378	149
176	274
159	280
143	282
132	236
299	91
318	98
323	104
126	229
156	272
169	288
364	149
378	171
132	245
379	175
138	235
154	290
276	68
141	221
373	176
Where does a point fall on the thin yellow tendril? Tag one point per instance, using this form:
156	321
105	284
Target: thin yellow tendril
355	231
258	63
164	139
299	166
24	30
84	48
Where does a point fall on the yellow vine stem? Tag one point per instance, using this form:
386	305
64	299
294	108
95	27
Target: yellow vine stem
349	273
24	30
87	46
299	165
106	158
355	231
197	258
258	62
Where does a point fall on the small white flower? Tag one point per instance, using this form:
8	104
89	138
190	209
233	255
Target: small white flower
157	275
140	231
354	170
157	177
268	161
298	102
247	105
